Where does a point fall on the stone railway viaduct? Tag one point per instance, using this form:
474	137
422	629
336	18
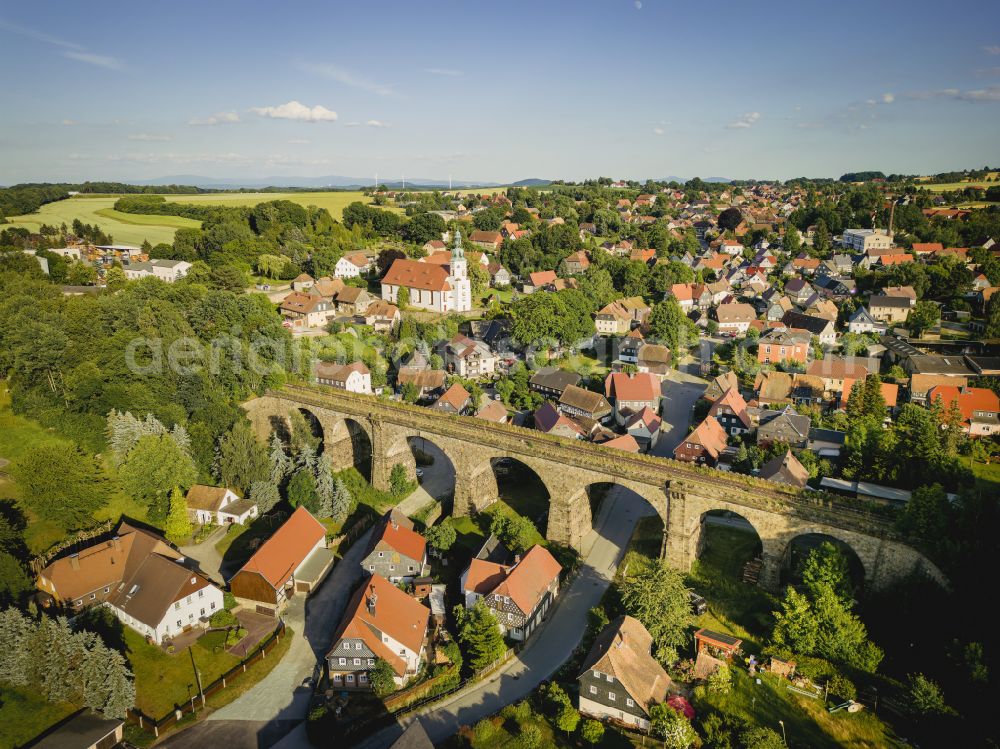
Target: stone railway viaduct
358	429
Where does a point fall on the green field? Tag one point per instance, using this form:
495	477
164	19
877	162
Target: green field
24	715
129	228
951	186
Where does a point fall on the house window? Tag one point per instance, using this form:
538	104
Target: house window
212	606
363	678
371	661
350	678
93	596
609	677
371	567
342	661
593	690
201	594
337	678
203	612
357	646
381	554
179	624
107	590
357	661
630	702
611	696
177	606
392	568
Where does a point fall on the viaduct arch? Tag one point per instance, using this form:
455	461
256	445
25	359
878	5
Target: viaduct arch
680	493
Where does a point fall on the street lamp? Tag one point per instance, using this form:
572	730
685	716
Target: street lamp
783	739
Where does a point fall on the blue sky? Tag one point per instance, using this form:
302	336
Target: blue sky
497	91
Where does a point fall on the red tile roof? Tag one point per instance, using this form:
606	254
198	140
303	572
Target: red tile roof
395	530
416	275
283	552
528	580
639	387
969	399
710	435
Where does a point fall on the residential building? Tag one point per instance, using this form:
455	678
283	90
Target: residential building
429	382
519	596
864	240
785	469
862	321
488	240
551	420
381	621
306	309
494	411
798	290
395	551
552	381
777	346
730	410
621	680
581	403
735	318
576	263
720	384
928	370
218	504
632	394
704	444
352	265
165	270
381	316
139	577
86	729
654	359
350	300
783	426
889	309
979	407
824	330
644	428
293	560
469	358
833	370
354	377
431	287
454	400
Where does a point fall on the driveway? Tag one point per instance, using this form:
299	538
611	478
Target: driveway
280	701
549	648
209	560
681	391
437	483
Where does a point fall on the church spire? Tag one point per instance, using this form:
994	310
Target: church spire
458	251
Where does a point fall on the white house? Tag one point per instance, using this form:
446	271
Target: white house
354	378
165	270
218	504
352	265
431	286
469	358
863	322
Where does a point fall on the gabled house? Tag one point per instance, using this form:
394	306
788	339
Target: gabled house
862	321
552	381
644	428
632	394
396	551
352	265
488	240
293	560
519	596
139	577
704	445
576	263
218	504
720	384
777	346
454	400
798	290
354	377
582	403
381	621
730	411
551	420
825	330
980	407
428	382
654	359
620	679
785	469
889	309
735	318
834	370
304	309
783	426
469	358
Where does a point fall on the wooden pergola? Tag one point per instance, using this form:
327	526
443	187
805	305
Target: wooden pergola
727	645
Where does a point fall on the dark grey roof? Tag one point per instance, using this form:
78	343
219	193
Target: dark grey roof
414	737
984	364
827	435
898	346
943	365
81	731
814	325
494	551
554	378
882	300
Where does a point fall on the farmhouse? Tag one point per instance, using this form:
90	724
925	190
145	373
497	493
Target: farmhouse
218	504
294	560
396	551
165	270
354	378
352	265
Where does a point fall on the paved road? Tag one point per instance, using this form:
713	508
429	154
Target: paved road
279	702
550	647
681	391
437	482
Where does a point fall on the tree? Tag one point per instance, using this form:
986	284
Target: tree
403	297
821	239
479	633
669	725
792	241
720	681
568	718
592	731
923	316
668	323
925	698
993	315
302	490
178	526
424	227
827	565
514	531
658	598
279	462
265	495
762	738
326	486
342	502
242	459
60	483
399	483
382	678
730	218
154	468
386	258
441	536
115	279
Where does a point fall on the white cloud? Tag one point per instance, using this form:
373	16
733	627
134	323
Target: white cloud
299	141
993	49
293	110
444	71
150	137
638	4
989	72
68	123
888	98
990	93
745	121
348	78
870	102
376	123
658	131
219	118
101	61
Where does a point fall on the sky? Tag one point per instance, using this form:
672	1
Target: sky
496	91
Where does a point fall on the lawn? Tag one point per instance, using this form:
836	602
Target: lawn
129	228
807	722
163	680
987	476
24	715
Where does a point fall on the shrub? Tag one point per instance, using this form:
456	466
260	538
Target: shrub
721	680
531	737
223	618
484	730
592	731
842	687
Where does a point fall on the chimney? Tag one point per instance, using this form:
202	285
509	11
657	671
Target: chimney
517	559
116	542
74	562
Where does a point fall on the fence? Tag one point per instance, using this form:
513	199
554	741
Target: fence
154	726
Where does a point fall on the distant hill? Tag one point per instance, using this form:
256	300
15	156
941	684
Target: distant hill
333	181
533	182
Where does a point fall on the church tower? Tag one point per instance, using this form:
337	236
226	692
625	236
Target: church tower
459	269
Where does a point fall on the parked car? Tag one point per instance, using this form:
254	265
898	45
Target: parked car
420	473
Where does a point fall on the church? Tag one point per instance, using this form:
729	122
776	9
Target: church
431	286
